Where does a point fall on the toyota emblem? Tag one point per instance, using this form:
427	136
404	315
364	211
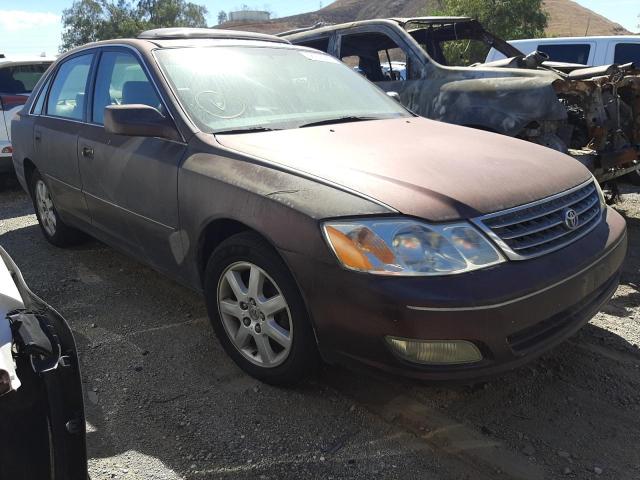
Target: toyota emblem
571	220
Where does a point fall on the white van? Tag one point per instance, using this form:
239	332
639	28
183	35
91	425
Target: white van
592	51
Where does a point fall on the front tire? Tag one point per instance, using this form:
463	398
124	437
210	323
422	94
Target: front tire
53	228
257	311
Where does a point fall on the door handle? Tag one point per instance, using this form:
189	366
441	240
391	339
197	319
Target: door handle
38	136
87	152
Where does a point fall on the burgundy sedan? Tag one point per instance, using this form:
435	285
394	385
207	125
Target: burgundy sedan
319	218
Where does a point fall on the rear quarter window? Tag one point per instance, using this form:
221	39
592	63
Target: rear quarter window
627	53
569	53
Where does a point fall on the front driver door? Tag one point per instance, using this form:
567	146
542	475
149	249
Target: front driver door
130	183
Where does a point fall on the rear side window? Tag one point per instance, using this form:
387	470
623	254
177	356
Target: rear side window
68	92
21	78
627	53
121	81
38	107
576	53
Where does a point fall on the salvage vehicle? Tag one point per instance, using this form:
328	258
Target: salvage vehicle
18	76
591	114
593	51
42	423
314	212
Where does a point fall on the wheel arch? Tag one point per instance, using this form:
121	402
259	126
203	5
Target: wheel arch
28	167
217	231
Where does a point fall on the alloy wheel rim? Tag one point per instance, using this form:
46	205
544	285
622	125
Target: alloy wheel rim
45	208
255	314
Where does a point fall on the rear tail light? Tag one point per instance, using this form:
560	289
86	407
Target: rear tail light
7	102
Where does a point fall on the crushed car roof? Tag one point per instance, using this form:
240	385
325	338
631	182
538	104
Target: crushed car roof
402	21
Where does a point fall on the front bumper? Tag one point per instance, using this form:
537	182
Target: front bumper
513	312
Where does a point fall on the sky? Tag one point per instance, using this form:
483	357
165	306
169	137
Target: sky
29	27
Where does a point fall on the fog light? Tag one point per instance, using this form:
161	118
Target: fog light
435	352
8	149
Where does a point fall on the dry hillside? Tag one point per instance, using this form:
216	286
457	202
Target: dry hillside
566	18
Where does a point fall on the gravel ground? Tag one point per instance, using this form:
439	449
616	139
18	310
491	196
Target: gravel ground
163	400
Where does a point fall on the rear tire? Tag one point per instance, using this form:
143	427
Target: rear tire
257	311
53	228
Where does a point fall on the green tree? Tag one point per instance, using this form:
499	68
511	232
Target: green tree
172	13
507	19
92	20
222	17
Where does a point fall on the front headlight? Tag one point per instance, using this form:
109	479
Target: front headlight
409	248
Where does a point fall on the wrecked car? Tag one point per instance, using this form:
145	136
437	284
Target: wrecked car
42	422
593	114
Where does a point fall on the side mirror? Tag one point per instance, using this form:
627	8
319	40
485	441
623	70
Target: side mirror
138	120
395	96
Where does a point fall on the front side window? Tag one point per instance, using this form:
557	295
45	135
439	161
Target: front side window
374	55
627	53
230	88
68	92
121	81
577	53
21	78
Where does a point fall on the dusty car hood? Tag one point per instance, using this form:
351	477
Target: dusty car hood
419	167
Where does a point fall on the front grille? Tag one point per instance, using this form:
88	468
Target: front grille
537	228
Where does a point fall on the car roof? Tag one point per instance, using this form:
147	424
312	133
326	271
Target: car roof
402	21
186	37
206	33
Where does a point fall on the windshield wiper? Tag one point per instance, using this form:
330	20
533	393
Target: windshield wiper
331	121
246	130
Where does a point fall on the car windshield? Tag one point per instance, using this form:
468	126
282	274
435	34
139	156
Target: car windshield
21	78
244	88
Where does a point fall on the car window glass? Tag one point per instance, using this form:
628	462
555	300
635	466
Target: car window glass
627	53
68	92
121	80
576	53
39	105
318	44
21	78
374	55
